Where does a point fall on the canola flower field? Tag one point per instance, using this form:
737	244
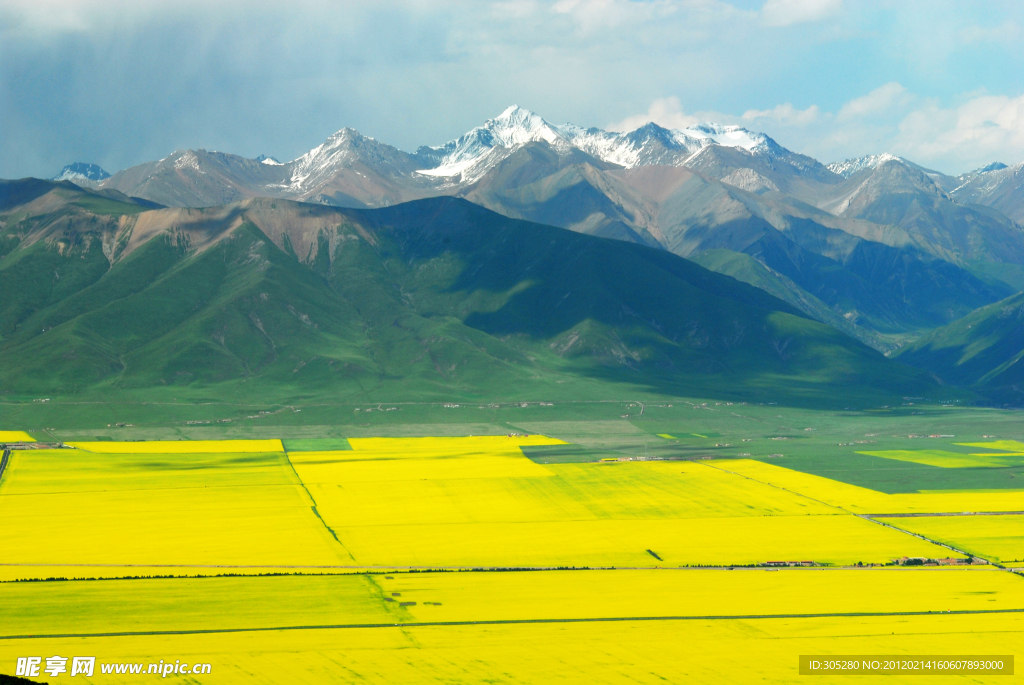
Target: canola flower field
378	556
623	626
997	538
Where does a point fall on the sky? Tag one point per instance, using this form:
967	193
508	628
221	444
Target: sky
118	82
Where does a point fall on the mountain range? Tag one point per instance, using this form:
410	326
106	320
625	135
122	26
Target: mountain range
271	300
879	248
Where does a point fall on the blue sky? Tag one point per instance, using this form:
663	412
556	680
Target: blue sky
119	83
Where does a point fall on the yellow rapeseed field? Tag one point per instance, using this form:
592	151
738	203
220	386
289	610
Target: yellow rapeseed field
434	502
624	543
620	651
90	571
462	502
1013	446
699	592
590	653
997	538
74	507
15	436
948	460
180	446
298	600
448	502
864	501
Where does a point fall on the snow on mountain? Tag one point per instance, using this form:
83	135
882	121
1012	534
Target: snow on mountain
473	153
994	166
851	166
350	155
728	136
990	181
467	158
81	171
319	163
346	149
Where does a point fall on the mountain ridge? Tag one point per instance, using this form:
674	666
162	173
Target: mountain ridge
825	237
436	298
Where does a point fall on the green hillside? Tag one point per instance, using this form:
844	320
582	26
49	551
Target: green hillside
746	268
982	350
434	299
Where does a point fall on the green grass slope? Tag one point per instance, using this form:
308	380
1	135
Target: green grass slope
272	300
982	350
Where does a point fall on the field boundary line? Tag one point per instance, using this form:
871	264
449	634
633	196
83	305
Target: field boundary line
3	464
927	539
518	621
316	513
777	487
908	515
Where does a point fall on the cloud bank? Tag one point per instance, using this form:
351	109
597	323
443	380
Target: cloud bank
118	83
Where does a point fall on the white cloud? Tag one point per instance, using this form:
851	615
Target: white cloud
985	128
787	12
881	101
667	112
1007	33
786	114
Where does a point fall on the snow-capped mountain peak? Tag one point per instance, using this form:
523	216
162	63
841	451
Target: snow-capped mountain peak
727	136
469	157
81	171
518	126
320	163
851	166
994	166
472	154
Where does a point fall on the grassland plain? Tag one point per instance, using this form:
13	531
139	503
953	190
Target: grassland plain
617	651
996	538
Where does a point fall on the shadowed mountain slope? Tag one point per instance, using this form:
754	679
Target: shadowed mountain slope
982	350
437	298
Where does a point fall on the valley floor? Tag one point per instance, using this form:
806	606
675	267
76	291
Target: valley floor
671	543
